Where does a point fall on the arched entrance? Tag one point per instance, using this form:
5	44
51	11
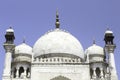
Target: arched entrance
21	70
60	78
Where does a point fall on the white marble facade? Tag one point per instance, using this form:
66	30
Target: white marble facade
58	55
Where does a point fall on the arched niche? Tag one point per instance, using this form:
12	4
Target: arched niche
28	72
21	70
14	72
91	72
98	72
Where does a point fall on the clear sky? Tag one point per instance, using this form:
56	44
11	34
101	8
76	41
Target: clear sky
84	19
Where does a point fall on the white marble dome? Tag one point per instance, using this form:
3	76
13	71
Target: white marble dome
108	31
58	41
10	30
95	49
23	49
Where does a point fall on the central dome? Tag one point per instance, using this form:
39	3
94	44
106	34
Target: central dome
58	42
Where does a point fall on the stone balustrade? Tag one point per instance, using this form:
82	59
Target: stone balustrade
57	60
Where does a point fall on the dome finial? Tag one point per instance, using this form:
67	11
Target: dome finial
94	42
108	31
108	28
24	39
57	23
10	27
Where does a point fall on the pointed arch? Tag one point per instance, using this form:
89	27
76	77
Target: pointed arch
14	72
91	72
28	72
60	78
21	70
98	71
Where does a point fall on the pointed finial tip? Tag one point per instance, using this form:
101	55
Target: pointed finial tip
24	39
108	28
94	42
57	12
10	27
57	23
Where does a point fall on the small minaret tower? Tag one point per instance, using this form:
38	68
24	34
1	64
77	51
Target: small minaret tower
9	47
109	49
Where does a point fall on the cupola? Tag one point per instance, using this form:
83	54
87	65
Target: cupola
9	36
108	38
95	52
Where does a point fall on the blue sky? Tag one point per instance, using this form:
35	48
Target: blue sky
84	19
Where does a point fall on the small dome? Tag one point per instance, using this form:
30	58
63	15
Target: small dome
95	49
10	30
108	31
23	49
58	41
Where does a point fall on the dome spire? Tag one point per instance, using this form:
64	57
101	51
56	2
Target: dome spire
94	42
57	23
24	39
108	28
10	27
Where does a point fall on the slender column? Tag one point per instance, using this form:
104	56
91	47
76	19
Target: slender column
111	61
101	73
17	73
94	73
7	66
87	58
25	72
113	73
28	76
12	74
8	58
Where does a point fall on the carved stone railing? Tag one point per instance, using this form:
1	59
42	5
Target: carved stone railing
57	60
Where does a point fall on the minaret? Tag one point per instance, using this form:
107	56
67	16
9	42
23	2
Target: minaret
9	47
109	48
